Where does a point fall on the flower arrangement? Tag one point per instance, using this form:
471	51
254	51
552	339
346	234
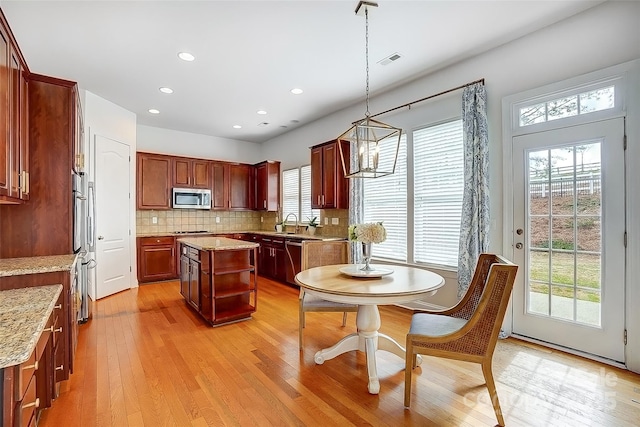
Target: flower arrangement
373	232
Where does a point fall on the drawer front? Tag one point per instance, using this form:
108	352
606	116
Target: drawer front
26	407
153	241
27	371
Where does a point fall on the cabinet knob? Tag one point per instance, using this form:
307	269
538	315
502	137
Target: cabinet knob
59	368
35	404
57	307
158	241
100	237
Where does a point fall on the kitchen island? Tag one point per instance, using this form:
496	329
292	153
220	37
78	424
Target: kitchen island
218	278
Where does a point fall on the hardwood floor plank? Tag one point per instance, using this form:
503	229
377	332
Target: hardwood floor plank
147	359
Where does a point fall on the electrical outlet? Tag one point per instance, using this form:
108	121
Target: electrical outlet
326	221
335	221
261	219
217	220
154	220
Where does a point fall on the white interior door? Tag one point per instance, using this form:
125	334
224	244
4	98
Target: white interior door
569	224
112	180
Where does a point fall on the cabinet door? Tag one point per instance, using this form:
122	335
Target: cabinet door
194	284
24	137
268	186
316	177
14	123
280	264
157	263
153	181
220	186
240	188
5	145
181	172
78	144
184	277
329	162
201	174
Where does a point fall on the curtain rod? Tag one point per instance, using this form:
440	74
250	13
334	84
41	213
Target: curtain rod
409	104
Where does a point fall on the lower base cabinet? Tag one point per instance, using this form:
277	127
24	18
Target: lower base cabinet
220	285
156	259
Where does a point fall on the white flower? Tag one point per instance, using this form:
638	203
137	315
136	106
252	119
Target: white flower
367	233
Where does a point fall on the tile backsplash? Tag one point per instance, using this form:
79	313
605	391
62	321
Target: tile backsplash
169	221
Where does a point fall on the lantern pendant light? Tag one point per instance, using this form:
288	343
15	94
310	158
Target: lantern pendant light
375	144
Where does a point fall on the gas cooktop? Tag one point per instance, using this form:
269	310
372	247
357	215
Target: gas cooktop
191	232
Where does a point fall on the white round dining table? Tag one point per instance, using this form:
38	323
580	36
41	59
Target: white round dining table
405	284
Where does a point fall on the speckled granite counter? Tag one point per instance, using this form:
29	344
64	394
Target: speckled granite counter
216	243
36	264
23	316
302	236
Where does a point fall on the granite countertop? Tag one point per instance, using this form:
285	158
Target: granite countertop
36	264
23	315
216	243
302	236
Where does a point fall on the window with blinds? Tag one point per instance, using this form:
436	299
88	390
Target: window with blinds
296	194
385	199
438	187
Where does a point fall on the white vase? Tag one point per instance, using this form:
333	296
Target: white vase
366	256
278	228
312	230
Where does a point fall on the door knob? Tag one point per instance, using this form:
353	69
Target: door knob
100	237
518	245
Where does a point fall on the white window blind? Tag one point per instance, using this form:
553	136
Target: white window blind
305	195
296	194
438	187
385	199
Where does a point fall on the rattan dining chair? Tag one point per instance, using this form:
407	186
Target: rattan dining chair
469	330
315	254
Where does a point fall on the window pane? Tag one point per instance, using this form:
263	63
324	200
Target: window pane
438	188
532	114
596	100
385	199
563	107
305	191
290	192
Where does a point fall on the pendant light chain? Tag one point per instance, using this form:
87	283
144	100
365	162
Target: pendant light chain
366	38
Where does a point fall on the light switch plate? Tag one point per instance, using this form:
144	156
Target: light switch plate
326	221
261	219
154	220
335	221
217	220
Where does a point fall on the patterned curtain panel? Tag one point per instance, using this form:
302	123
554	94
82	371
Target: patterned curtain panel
356	211
474	225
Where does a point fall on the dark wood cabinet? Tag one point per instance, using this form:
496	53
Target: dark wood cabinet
221	285
45	227
220	185
267	186
153	181
14	153
156	258
240	186
191	173
273	259
329	187
78	147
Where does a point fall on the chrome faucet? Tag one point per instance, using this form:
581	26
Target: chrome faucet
284	224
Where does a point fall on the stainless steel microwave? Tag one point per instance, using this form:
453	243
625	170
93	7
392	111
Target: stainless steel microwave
191	198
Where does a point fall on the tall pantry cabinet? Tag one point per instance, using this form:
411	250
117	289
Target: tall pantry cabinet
44	225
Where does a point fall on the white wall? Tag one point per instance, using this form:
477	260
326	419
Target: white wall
107	119
167	141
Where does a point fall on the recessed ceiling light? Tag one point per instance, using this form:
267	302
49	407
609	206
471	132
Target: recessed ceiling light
295	121
186	56
166	90
154	111
262	112
237	127
296	91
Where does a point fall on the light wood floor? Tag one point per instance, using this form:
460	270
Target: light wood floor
147	359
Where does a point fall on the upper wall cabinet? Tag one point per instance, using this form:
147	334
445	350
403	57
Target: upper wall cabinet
191	173
241	186
329	187
14	148
267	186
153	181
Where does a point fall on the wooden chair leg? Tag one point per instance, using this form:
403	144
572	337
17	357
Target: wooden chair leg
300	326
344	319
408	371
493	393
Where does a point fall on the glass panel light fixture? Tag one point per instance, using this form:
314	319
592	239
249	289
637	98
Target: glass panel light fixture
366	136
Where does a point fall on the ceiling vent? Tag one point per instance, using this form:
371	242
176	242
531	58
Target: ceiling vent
389	59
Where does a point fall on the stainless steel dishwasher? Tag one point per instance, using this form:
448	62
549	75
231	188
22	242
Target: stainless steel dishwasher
294	253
